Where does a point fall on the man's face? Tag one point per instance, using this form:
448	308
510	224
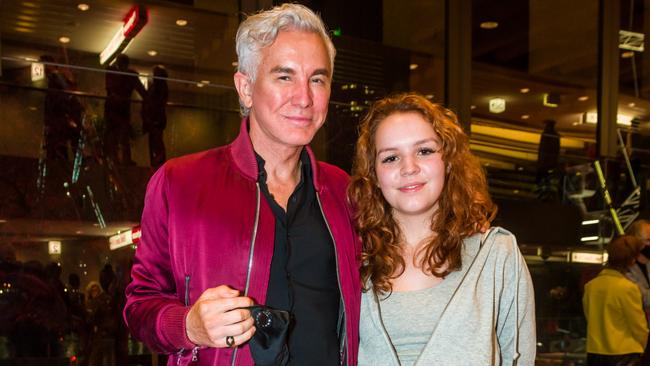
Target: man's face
288	100
645	234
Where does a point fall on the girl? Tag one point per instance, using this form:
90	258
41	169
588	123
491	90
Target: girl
436	289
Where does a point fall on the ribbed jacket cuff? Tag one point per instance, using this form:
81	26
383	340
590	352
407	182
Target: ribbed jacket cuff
172	326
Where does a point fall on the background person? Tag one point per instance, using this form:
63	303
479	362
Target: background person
257	221
437	291
617	330
639	272
120	85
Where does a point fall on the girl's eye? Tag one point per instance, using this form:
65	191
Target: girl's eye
427	151
389	159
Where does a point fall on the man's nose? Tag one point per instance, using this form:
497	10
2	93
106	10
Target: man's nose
302	94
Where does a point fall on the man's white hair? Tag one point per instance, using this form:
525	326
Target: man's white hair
261	30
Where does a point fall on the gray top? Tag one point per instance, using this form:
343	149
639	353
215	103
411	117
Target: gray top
489	319
410	316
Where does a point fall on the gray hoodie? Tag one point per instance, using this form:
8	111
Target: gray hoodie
489	319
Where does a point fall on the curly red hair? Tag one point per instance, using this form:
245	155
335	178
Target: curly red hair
464	204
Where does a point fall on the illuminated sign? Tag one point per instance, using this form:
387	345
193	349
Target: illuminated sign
497	105
124	238
134	21
54	247
588	257
38	71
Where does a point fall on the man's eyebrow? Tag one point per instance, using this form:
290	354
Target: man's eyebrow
325	72
282	70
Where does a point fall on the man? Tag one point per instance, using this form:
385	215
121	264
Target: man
616	326
121	81
639	271
257	221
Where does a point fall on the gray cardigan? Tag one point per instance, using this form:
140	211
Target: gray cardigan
489	320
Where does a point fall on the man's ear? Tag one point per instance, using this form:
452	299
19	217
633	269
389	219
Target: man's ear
244	88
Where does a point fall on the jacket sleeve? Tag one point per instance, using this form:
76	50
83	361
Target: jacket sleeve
516	331
153	311
632	309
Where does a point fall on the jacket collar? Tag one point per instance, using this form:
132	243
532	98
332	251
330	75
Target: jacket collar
244	156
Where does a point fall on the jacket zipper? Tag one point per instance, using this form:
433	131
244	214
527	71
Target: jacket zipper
195	350
342	355
250	255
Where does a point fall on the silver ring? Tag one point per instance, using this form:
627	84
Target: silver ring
230	341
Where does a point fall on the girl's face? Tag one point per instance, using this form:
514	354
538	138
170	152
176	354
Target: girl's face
409	166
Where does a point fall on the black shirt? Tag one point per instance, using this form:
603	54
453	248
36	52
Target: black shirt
303	277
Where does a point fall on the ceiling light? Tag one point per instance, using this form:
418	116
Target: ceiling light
631	105
23	30
413	66
64	39
181	22
235	63
83	7
524	90
583	98
627	54
2	221
200	85
152	52
525	116
472	107
429	96
206	82
575	123
489	25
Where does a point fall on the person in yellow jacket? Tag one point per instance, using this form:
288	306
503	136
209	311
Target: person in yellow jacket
616	326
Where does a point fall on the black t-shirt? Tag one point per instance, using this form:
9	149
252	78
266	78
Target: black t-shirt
303	277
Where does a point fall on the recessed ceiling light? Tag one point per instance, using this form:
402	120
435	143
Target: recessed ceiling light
23	30
525	116
235	63
78	232
583	98
2	221
631	105
413	66
200	85
472	107
489	25
83	7
64	39
152	52
181	22
627	54
205	82
429	96
575	123
524	90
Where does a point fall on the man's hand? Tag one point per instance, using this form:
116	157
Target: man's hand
215	316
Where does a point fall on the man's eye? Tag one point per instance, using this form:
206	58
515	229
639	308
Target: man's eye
318	81
284	78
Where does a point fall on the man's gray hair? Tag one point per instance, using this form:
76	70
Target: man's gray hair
260	30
